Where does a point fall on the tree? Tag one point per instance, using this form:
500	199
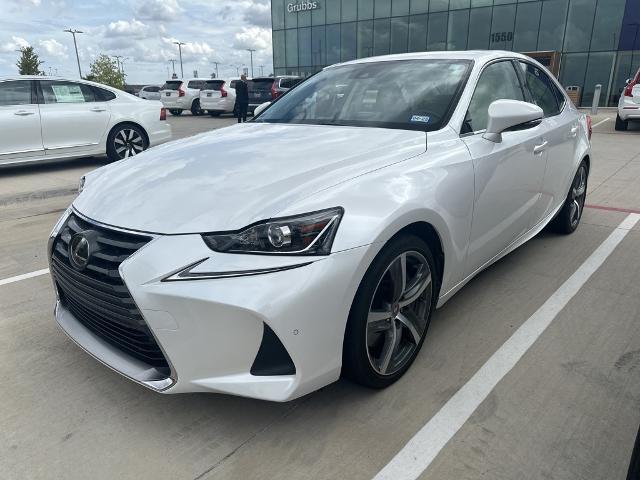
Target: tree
105	70
29	63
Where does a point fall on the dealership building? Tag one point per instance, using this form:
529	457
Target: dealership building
584	42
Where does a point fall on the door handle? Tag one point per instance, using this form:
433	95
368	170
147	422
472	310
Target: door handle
540	148
574	131
98	109
24	113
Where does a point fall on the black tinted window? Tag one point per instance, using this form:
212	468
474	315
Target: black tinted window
172	85
404	94
260	84
233	83
498	81
196	84
15	93
542	89
151	89
103	95
288	82
59	91
213	85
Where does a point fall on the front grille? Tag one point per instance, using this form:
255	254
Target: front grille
97	296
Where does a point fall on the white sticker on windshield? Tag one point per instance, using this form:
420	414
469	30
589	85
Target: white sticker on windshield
420	119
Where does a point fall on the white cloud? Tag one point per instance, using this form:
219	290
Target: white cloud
125	28
54	48
159	10
253	37
16	43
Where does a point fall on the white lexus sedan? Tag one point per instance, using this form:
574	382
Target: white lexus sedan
267	258
47	118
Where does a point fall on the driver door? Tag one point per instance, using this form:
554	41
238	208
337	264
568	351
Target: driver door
508	174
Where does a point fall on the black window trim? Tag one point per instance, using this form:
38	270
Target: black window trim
525	92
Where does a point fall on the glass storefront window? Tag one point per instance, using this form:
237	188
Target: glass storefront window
607	24
291	41
459	4
399	7
525	35
333	44
479	28
501	37
419	6
277	14
279	58
381	36
304	46
438	5
437	31
579	25
365	38
290	19
318	16
552	25
304	18
349	10
382	8
598	71
458	29
481	3
418	33
574	66
365	9
626	68
399	34
348	39
333	10
318	46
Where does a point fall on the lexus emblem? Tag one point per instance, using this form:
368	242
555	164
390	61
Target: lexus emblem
79	251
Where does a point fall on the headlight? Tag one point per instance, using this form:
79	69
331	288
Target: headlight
81	184
308	234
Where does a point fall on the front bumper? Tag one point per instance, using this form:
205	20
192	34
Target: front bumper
211	330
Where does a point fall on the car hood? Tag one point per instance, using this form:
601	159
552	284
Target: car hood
231	177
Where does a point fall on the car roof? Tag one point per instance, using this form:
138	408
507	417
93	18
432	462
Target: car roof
64	79
480	56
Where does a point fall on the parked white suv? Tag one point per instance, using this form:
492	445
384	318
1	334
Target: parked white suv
49	118
218	96
150	92
629	104
178	95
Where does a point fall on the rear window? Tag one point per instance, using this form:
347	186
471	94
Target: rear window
196	84
260	84
103	95
213	85
172	85
289	82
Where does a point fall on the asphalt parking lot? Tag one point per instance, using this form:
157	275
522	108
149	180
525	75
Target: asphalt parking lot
569	408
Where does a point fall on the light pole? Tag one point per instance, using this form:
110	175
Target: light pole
180	52
173	64
122	65
75	44
117	57
251	50
216	64
262	70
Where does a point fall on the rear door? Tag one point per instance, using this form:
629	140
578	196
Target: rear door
73	119
260	90
561	126
19	121
507	174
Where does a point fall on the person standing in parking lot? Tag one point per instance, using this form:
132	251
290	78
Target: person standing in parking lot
242	99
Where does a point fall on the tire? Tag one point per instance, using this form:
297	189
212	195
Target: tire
369	333
195	108
126	141
175	112
568	218
621	125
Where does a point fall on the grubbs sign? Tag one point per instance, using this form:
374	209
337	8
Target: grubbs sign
303	6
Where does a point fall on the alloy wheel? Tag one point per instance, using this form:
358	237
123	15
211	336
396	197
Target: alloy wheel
399	312
578	196
128	143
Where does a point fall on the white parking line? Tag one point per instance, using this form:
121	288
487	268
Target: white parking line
416	456
24	276
601	122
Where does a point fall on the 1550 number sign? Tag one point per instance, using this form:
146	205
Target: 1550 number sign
501	37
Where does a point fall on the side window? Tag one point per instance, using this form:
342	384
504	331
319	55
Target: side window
103	95
543	91
15	93
498	81
55	91
153	89
233	84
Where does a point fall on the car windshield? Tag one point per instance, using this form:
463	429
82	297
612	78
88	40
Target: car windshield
172	85
213	84
404	94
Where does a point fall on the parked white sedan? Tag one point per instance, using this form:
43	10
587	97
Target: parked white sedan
266	258
46	118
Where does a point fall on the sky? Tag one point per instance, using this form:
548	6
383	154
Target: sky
142	30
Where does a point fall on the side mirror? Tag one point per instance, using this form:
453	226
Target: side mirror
260	108
504	114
